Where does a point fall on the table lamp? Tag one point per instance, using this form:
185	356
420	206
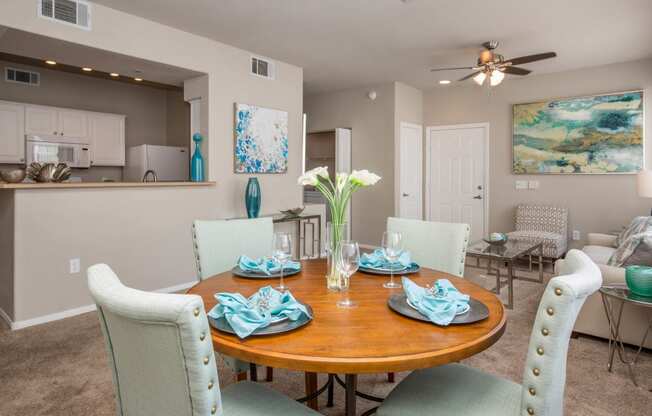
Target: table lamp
644	184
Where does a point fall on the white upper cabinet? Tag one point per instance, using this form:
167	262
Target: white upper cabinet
12	133
107	139
40	121
73	124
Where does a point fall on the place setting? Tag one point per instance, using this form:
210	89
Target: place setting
389	260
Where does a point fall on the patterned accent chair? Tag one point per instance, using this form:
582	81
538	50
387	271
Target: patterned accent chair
542	223
161	355
456	389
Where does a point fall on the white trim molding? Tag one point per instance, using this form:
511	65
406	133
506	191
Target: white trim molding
77	311
486	127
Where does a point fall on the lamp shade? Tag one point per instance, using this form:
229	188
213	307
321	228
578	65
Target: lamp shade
644	183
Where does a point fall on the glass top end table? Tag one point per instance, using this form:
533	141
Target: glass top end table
507	254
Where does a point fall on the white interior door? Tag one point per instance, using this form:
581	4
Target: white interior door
343	162
410	173
456	175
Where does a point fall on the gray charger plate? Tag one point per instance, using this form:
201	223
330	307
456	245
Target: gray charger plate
286	325
412	269
477	312
237	271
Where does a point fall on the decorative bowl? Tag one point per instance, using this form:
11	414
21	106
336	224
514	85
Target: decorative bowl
293	212
496	239
48	172
639	280
13	176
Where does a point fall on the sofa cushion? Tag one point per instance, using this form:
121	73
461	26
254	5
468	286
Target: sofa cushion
599	254
554	245
637	226
642	254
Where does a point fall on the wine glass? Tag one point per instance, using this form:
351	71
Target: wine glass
282	252
392	247
348	260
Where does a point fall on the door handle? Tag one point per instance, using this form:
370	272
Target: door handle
404	194
477	197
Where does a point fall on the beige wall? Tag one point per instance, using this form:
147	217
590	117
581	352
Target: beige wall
596	202
166	235
177	120
372	126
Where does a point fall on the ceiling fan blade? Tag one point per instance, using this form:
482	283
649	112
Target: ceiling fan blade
471	75
531	58
451	69
514	70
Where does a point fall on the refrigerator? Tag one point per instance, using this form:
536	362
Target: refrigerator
169	163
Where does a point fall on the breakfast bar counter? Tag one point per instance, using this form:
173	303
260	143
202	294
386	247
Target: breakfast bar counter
67	185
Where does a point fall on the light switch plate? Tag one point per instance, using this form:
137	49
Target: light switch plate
576	235
75	265
533	185
521	185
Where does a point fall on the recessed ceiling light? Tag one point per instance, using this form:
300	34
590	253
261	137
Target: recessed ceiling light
87	69
445	81
50	62
114	74
138	79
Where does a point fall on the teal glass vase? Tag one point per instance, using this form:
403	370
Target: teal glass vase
639	280
197	162
252	198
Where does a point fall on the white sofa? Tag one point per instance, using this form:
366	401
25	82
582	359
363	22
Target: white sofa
592	319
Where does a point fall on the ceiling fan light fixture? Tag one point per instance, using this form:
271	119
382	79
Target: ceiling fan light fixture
479	79
497	77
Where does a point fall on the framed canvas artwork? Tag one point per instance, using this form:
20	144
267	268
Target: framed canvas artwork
261	139
594	134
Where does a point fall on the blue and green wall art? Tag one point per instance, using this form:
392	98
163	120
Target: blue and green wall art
261	139
594	134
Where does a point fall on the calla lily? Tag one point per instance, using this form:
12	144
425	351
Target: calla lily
364	178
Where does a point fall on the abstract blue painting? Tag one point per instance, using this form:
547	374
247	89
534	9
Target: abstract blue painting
594	134
261	139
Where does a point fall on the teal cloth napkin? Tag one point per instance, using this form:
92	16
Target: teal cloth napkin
266	265
440	303
377	260
264	307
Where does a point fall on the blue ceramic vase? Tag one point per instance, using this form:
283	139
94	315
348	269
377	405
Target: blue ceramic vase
252	198
197	162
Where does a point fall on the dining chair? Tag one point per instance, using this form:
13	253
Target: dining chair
436	245
460	390
161	355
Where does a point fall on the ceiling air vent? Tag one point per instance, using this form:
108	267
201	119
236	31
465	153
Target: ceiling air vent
20	76
262	67
72	12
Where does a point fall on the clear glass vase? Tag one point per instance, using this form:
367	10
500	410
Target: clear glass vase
335	234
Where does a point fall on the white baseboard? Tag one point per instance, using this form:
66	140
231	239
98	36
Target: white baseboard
5	317
78	311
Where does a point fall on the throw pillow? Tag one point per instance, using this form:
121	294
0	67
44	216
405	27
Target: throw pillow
642	255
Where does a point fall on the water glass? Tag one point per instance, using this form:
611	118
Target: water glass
282	253
348	260
392	248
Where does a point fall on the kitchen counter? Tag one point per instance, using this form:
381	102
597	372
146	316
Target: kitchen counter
68	185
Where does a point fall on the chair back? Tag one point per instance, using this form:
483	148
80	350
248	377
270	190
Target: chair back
219	243
544	376
159	348
542	218
436	245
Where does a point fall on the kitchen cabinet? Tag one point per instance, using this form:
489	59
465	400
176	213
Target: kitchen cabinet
107	139
12	132
59	122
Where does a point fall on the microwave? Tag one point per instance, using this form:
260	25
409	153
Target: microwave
44	149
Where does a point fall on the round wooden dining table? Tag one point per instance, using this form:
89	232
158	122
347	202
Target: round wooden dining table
368	338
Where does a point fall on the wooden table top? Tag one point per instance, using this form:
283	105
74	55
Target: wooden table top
369	338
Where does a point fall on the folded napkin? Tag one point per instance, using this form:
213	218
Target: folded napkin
258	311
377	260
440	304
266	265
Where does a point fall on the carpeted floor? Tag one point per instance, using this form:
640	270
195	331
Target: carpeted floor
60	369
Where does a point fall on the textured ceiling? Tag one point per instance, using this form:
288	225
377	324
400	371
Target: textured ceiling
346	43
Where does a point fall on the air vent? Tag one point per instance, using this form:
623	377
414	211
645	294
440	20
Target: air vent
262	67
20	76
72	12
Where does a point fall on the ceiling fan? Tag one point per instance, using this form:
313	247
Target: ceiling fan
494	66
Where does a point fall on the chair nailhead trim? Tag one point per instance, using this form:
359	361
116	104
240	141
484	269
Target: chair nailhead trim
202	336
540	350
550	311
558	291
196	312
532	391
210	385
530	411
545	332
536	371
206	360
213	410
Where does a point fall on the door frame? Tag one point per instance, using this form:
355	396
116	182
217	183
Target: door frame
397	167
486	127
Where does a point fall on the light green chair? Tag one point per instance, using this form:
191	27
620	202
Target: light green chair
161	356
459	390
435	245
218	244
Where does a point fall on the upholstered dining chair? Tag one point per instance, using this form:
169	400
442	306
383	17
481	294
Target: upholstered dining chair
217	245
459	390
436	245
161	355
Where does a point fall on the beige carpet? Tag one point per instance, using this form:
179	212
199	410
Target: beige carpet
60	369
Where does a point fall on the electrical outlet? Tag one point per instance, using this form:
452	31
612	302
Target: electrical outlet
576	235
533	185
75	265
